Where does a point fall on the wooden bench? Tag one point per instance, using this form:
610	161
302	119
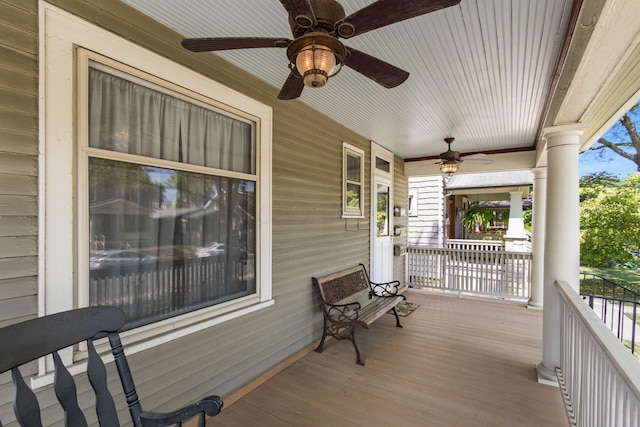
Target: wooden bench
350	299
28	341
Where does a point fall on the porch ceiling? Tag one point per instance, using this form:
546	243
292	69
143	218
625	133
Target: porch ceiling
481	71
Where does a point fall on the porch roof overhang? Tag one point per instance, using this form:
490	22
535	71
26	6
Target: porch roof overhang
492	75
490	186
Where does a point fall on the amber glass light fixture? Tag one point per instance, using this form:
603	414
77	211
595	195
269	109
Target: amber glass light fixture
317	57
449	167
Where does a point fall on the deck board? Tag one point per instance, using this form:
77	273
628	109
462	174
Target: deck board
456	362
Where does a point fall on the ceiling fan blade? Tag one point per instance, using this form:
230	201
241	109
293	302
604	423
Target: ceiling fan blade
207	44
376	69
478	158
292	88
385	12
301	12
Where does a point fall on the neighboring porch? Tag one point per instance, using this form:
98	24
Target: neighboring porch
456	362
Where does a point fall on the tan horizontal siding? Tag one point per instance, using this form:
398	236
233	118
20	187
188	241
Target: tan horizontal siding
18	122
18	226
18	101
18	287
17	164
14	59
18	143
17	184
18	81
14	308
18	246
14	35
11	268
18	205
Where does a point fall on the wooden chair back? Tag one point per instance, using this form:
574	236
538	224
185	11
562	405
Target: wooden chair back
28	341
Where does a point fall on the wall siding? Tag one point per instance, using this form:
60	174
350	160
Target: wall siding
309	236
401	199
18	161
426	228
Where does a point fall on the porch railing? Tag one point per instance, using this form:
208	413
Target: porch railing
475	245
599	378
493	273
617	305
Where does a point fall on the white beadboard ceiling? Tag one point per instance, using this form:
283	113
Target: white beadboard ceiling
479	71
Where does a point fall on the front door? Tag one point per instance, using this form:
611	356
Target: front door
383	246
381	215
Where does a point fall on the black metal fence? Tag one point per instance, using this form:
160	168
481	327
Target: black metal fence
615	304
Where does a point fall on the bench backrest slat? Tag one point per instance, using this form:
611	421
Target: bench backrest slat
343	287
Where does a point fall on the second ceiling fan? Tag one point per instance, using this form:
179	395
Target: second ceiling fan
316	52
450	160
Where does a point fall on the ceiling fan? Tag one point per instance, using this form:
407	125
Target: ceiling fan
450	160
316	53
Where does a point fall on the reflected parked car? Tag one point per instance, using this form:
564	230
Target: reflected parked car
211	249
119	258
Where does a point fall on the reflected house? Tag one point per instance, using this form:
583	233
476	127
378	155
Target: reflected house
178	279
117	222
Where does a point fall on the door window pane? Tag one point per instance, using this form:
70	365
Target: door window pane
382	164
382	210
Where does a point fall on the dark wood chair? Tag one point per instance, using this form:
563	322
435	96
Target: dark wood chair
27	341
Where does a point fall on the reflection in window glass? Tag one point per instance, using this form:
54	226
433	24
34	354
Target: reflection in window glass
382	210
352	181
382	164
353	168
165	242
353	197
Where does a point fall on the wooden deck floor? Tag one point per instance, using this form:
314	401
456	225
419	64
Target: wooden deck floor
456	362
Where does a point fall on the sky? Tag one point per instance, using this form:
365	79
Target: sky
607	161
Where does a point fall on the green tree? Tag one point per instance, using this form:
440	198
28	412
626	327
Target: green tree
610	223
623	138
592	184
527	218
476	217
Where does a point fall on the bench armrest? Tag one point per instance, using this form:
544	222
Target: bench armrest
388	289
209	405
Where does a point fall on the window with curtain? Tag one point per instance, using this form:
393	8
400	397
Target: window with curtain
172	200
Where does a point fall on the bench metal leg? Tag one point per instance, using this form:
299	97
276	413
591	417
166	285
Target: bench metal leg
320	346
353	340
395	313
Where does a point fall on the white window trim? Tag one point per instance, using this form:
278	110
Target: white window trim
355	151
60	34
413	202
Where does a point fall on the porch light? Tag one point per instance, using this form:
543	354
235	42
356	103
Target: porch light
449	167
317	57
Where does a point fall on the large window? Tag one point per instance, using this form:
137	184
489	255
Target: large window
155	187
166	240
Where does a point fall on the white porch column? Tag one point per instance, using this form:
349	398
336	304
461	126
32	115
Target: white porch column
537	236
516	236
562	237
